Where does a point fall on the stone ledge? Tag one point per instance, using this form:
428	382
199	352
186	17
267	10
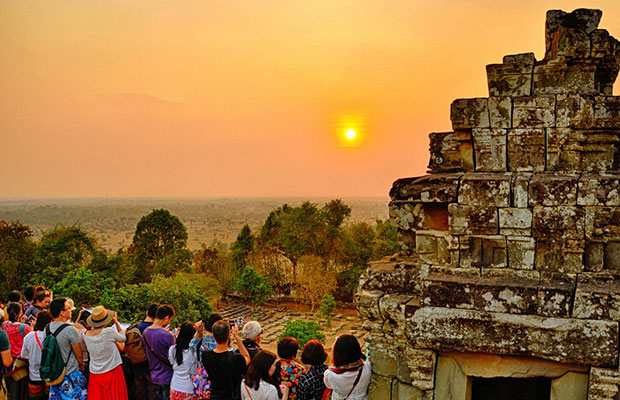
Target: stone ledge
574	341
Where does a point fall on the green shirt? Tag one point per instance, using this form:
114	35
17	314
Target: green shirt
4	341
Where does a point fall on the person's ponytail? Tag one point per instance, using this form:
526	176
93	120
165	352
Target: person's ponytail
14	310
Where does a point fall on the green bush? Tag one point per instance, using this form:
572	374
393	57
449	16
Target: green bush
187	293
83	286
328	305
303	331
253	286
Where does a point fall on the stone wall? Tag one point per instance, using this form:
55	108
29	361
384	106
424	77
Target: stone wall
511	245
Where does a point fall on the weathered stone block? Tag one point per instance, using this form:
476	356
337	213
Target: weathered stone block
519	196
406	243
436	188
469	113
599	190
422	216
602	222
553	190
510	274
451	151
584	20
506	296
572	150
555	295
559	255
500	112
549	75
513	77
483	251
408	392
521	251
485	190
569	43
562	77
603	45
526	150
490	149
612	255
515	221
607	111
578	341
451	382
603	383
393	276
384	361
472	220
580	77
367	304
533	112
574	111
380	388
392	308
572	385
421	365
597	298
444	290
437	247
594	260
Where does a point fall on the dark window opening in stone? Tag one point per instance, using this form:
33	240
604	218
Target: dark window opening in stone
436	216
538	388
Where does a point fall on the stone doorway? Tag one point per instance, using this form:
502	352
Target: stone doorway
538	388
477	376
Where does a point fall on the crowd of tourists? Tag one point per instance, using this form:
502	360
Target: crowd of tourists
45	354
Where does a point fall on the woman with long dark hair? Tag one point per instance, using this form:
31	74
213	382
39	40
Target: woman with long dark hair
349	376
260	381
184	361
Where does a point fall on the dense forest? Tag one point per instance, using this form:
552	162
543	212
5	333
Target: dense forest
314	253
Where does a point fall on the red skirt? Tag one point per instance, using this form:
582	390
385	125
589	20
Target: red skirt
107	386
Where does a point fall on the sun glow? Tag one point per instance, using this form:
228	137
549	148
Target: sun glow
350	130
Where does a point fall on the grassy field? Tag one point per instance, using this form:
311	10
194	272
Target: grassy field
113	221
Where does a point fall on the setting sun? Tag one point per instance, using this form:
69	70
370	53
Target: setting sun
350	134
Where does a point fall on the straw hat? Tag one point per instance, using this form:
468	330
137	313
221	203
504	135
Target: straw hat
100	317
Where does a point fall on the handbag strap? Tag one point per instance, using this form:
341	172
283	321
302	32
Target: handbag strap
248	391
38	341
359	375
160	358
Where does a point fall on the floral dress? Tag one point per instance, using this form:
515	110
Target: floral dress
290	371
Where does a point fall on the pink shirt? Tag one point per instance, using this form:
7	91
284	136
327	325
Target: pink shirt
16	332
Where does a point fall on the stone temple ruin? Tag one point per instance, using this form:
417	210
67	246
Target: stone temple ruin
507	282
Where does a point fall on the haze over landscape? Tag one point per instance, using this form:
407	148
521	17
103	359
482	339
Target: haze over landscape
155	99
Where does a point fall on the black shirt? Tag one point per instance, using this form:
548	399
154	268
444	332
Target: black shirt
219	366
252	348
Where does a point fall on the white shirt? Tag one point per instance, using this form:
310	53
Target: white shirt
181	381
104	355
265	391
32	352
341	383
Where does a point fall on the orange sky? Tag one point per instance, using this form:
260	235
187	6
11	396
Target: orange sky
242	97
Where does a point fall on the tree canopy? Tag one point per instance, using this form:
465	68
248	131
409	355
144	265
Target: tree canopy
159	237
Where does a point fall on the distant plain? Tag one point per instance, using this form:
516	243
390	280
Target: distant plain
112	221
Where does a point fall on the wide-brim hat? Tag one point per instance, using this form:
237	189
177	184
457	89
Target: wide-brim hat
100	317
